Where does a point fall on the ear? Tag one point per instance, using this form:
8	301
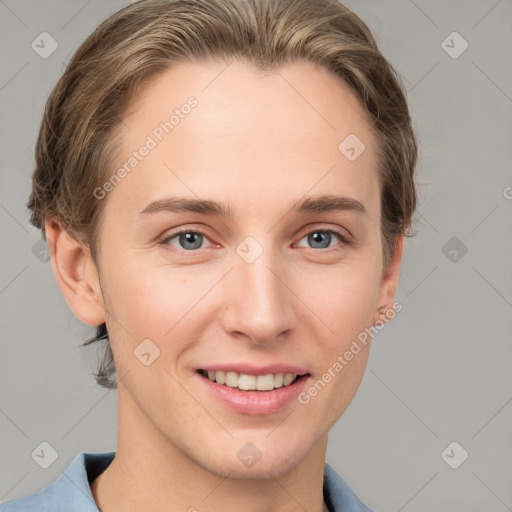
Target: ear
75	272
389	281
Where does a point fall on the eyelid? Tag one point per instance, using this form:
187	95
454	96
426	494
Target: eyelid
311	228
345	235
178	231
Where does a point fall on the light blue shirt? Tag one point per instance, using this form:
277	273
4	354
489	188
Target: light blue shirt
71	492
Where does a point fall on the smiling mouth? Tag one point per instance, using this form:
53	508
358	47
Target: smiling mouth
247	382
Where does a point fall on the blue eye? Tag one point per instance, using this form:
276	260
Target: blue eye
192	240
188	240
321	238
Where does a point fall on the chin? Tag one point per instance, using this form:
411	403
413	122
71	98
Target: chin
249	463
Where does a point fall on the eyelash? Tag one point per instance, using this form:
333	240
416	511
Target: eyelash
169	236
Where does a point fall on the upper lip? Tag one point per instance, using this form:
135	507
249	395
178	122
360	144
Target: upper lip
252	369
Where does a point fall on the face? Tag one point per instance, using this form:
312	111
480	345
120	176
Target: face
260	290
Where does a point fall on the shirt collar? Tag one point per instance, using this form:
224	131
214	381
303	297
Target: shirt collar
71	490
338	496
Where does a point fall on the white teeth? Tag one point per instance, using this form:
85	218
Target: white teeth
288	379
251	382
265	382
247	381
231	379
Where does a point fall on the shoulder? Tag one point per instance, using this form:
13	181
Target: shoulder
338	495
70	491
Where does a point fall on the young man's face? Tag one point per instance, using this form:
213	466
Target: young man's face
265	290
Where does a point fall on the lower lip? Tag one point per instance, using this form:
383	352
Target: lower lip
254	402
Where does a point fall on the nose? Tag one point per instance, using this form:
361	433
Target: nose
258	300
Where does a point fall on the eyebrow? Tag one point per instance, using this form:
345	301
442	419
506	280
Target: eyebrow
315	204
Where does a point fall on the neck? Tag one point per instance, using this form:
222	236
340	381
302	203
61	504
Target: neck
150	473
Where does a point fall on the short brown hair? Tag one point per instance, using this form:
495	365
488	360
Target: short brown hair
77	138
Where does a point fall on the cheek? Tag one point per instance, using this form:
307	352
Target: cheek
342	299
144	296
163	304
346	307
143	304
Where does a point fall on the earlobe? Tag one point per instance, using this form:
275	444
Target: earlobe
75	272
388	285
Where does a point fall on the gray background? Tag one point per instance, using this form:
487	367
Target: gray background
439	372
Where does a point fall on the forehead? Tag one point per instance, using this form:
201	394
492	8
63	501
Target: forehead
231	97
250	136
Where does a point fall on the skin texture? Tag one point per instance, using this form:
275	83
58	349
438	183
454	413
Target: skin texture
260	143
